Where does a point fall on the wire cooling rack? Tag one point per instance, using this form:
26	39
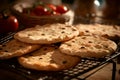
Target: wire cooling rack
12	67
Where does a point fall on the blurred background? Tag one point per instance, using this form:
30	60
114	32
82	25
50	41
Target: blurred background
89	11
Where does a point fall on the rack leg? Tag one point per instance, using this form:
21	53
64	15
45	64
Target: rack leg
113	70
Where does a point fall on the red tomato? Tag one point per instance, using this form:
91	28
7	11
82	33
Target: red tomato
62	9
40	10
8	24
51	6
12	23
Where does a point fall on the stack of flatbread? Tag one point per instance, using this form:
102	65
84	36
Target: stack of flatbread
37	47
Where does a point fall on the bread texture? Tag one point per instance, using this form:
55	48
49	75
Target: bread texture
88	46
48	58
15	48
108	31
47	34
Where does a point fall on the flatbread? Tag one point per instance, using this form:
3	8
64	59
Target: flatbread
47	34
15	48
48	58
88	46
108	31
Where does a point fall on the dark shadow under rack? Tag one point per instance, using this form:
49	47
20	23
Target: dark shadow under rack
10	69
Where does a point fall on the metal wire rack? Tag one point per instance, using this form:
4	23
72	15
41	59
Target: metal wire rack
12	67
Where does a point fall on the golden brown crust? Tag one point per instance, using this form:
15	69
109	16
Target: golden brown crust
16	48
47	34
108	31
88	46
48	58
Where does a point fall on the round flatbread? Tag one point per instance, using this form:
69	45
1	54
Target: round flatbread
47	34
88	46
48	58
108	31
16	48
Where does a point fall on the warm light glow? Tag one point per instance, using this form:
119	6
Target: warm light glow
97	3
15	20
